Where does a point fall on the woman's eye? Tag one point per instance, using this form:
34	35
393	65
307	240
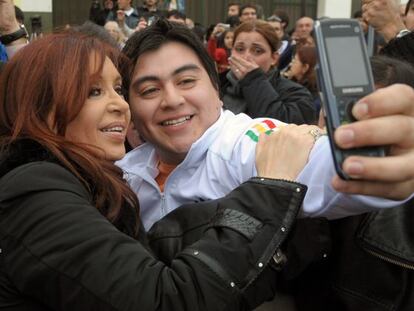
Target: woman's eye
238	49
258	51
120	90
95	91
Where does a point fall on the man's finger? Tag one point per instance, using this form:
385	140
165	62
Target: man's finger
390	130
387	169
395	99
393	191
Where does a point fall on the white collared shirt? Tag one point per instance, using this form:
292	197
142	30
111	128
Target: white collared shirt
223	158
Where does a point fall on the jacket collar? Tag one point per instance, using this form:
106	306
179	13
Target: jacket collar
22	152
145	157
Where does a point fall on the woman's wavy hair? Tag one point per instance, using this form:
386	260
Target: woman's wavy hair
42	89
262	28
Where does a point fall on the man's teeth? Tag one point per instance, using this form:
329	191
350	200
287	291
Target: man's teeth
114	129
177	121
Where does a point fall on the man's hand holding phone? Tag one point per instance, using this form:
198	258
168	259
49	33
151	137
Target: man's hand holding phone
386	117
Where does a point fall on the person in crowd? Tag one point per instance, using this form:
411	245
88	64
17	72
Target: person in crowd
285	55
219	46
91	29
254	86
233	9
248	13
233	21
379	41
302	71
150	8
303	28
3	53
276	23
390	24
189	22
71	235
370	265
99	16
284	17
194	151
259	11
382	15
300	35
126	14
113	29
200	32
19	15
388	71
176	17
10	25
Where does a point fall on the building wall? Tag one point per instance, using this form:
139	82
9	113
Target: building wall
205	12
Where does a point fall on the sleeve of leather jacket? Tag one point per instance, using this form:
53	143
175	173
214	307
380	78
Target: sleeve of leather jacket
295	105
59	250
401	48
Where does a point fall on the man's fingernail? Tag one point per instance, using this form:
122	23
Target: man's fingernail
360	110
345	136
354	168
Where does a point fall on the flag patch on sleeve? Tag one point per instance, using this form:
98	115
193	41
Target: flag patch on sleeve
266	126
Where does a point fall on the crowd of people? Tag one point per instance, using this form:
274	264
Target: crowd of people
227	196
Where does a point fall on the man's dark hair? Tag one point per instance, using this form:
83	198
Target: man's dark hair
357	14
154	37
245	6
233	3
387	71
233	21
91	29
177	14
283	16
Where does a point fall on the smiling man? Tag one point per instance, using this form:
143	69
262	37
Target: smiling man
194	150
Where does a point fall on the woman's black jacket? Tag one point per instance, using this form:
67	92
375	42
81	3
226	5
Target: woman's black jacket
267	95
59	253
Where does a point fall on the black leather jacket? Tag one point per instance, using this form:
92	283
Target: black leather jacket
261	94
371	266
59	253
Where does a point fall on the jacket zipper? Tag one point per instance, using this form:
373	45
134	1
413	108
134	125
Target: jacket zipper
390	260
162	204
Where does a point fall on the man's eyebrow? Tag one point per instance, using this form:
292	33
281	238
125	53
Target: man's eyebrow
177	71
185	68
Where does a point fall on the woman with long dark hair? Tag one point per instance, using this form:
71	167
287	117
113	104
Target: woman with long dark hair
71	236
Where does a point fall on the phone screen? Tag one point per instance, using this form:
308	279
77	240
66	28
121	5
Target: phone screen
346	61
